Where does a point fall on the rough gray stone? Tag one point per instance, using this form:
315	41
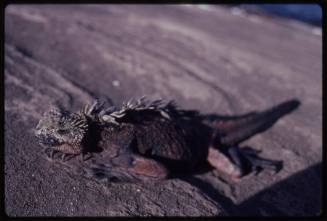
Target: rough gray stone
205	58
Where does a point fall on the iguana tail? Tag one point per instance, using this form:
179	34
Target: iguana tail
237	129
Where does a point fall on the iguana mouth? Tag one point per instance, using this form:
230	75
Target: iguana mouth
63	148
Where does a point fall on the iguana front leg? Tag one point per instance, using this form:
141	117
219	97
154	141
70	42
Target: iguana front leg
64	152
128	168
248	159
56	154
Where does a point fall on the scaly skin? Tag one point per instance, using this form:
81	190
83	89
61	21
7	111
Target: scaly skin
152	139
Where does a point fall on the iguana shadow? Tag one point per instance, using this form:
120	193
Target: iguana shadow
271	116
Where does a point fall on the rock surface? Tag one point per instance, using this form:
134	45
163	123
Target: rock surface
208	58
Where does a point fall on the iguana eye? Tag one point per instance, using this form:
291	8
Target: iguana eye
62	131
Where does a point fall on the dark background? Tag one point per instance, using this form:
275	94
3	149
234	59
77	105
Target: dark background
309	13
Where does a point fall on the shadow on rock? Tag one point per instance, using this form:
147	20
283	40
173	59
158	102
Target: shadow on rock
298	195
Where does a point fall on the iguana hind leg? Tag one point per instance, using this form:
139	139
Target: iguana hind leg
237	162
223	164
256	163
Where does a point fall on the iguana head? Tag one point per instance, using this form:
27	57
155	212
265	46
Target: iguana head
58	127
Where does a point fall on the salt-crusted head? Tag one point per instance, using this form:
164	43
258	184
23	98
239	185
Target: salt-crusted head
58	127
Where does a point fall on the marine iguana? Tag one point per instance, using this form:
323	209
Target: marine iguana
152	139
